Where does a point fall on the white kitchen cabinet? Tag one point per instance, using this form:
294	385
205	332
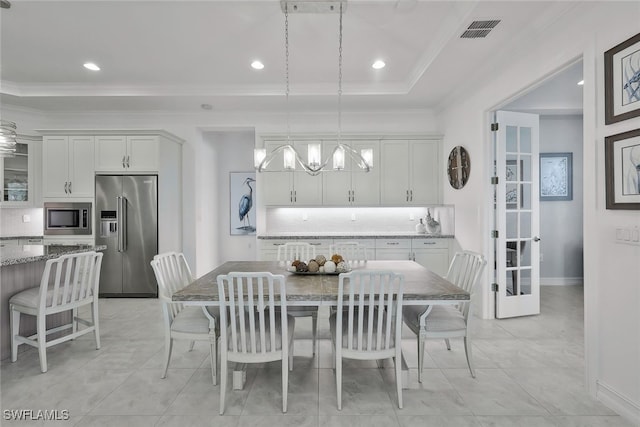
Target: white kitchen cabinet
352	186
20	174
268	248
289	187
126	154
393	249
432	253
410	172
68	166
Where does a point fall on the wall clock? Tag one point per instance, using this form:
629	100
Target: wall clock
458	167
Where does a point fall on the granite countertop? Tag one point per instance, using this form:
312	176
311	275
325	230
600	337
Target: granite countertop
21	254
19	237
354	235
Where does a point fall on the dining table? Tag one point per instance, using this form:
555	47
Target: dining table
421	287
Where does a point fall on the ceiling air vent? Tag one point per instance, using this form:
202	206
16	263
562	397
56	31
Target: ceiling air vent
479	29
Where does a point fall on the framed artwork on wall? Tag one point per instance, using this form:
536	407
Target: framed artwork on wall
556	176
622	170
622	81
242	215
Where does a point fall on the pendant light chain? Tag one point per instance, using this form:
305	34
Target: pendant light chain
340	79
286	59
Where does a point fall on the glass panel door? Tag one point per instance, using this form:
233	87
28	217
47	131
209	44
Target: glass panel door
517	215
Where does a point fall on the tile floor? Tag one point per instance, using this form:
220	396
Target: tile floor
529	373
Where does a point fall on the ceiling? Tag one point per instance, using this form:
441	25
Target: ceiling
177	55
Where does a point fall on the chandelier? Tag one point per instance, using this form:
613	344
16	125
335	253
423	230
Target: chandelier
314	164
7	138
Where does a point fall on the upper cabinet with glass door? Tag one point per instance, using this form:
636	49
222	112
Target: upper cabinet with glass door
19	174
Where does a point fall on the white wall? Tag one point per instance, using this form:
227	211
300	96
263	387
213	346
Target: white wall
612	294
561	221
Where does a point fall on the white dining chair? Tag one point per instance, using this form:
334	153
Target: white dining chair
68	282
370	324
183	322
447	321
287	253
252	330
353	252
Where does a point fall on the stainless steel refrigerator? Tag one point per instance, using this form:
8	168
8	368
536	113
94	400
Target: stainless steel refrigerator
127	223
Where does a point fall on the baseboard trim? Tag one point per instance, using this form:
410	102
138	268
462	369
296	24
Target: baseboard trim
561	281
618	403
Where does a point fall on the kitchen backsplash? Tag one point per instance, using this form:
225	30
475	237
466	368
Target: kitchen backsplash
12	222
331	220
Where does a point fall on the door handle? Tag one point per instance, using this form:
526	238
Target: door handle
536	239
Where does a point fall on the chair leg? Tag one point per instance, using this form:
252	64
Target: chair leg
74	320
168	346
446	340
285	383
42	341
398	363
314	326
223	380
467	351
421	343
214	358
338	364
96	323
15	330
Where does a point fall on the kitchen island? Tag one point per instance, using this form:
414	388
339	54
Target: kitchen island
21	267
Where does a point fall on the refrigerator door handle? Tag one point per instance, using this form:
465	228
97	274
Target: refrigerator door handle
119	223
124	223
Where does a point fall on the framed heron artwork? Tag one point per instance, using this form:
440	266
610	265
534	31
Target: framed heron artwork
622	81
242	213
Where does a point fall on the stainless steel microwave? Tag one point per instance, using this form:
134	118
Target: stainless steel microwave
61	218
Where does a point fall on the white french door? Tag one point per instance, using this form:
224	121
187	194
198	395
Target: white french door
517	215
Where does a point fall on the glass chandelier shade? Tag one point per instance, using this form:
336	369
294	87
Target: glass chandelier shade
314	163
8	138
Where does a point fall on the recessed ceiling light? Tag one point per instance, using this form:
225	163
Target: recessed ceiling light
257	65
581	82
91	66
378	64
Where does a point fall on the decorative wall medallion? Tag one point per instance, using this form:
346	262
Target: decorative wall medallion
458	167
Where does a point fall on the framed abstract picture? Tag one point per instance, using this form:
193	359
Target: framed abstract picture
556	176
622	81
622	170
242	213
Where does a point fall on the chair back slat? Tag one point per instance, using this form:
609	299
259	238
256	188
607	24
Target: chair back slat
465	271
69	280
353	252
373	309
250	328
291	251
172	274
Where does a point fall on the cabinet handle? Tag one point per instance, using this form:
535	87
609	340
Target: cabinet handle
353	195
128	164
411	192
66	185
123	163
295	196
428	243
314	244
291	196
412	256
69	187
407	195
393	243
